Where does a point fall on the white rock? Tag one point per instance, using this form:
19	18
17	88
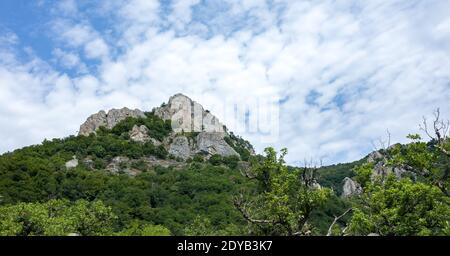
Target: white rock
72	163
109	120
114	165
180	147
212	143
187	115
350	188
139	134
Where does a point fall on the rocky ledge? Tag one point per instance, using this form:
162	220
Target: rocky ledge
108	120
194	129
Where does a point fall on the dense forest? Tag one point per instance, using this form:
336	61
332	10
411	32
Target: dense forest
246	195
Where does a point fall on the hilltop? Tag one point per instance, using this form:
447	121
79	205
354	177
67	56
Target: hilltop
177	170
169	166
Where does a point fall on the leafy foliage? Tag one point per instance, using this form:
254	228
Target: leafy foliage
163	196
158	128
402	207
139	229
285	202
332	176
56	217
202	226
405	206
230	161
257	195
241	146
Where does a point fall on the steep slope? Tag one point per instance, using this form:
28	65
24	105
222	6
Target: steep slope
145	169
194	131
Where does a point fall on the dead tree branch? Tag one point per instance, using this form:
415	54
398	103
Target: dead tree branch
242	206
330	229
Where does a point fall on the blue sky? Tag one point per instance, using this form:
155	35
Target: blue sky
341	73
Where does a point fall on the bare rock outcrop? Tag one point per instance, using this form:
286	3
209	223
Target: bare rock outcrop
108	120
212	143
188	116
139	133
180	147
117	164
93	122
72	163
381	168
350	188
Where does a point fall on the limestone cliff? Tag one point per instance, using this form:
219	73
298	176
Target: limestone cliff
379	159
108	120
188	116
194	129
350	188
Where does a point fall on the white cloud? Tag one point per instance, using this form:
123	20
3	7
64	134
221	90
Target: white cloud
347	71
67	7
82	36
96	48
8	38
69	60
182	13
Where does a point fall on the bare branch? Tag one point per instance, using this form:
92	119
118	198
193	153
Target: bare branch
440	130
389	138
241	206
330	229
424	127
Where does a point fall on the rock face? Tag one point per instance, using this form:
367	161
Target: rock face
72	163
350	188
381	168
122	164
108	120
188	116
374	157
139	133
117	163
133	167
211	143
180	147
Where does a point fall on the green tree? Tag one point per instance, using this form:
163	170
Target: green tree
417	203
285	201
141	229
56	217
401	207
202	226
428	161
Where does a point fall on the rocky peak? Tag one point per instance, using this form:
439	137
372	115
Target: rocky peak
188	116
379	159
108	120
194	129
350	188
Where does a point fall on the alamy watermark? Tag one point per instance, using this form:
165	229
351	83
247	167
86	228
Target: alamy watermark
259	116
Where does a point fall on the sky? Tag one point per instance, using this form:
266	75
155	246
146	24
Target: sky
339	74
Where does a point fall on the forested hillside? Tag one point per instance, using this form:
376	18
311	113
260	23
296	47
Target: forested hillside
401	191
